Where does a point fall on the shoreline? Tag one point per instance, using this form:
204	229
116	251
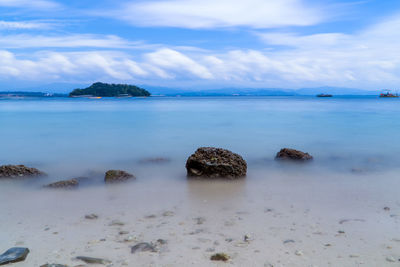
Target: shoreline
286	225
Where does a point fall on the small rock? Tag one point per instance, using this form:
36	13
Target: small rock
115	176
15	254
65	184
219	257
298	253
141	247
386	208
116	223
390	259
288	241
246	238
200	220
168	213
123	232
91	216
91	260
19	171
293	154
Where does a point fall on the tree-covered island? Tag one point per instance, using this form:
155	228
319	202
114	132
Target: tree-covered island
110	90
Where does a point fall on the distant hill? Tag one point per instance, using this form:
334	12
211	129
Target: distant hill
110	90
260	91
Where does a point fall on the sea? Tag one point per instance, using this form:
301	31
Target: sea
340	209
69	136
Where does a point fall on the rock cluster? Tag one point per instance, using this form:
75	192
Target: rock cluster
292	154
211	162
12	171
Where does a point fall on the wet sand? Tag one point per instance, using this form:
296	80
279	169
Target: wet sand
290	218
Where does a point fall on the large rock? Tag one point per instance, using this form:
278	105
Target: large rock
211	162
14	255
65	184
12	171
115	176
293	154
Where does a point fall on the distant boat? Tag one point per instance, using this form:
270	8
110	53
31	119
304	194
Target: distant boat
387	93
324	95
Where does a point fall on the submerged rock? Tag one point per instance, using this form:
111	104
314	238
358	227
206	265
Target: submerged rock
157	160
12	171
91	260
115	176
293	154
211	162
14	255
66	184
143	246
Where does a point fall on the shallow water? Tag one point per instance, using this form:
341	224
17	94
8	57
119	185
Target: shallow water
308	203
70	136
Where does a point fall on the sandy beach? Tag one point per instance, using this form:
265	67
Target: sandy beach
285	218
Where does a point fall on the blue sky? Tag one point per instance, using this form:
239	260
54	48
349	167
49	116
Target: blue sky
201	43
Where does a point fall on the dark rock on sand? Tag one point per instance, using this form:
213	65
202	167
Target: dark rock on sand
12	171
115	176
211	162
143	247
91	260
293	154
14	255
65	184
219	257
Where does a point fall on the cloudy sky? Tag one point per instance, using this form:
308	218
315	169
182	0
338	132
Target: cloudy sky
201	43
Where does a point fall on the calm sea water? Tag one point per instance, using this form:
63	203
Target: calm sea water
69	137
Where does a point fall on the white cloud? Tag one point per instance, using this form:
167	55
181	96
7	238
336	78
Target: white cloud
219	13
35	4
367	59
24	25
68	41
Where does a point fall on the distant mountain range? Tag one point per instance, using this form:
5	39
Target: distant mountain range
259	91
63	88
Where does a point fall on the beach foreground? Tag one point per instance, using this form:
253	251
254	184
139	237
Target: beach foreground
285	218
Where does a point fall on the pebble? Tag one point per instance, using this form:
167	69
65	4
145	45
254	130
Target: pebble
200	220
390	259
143	246
298	253
123	232
288	241
91	260
116	222
91	216
168	213
219	257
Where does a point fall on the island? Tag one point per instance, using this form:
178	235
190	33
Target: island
99	89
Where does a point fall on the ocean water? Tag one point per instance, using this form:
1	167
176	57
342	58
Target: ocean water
354	141
69	137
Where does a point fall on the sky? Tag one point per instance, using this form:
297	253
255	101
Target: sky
201	44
